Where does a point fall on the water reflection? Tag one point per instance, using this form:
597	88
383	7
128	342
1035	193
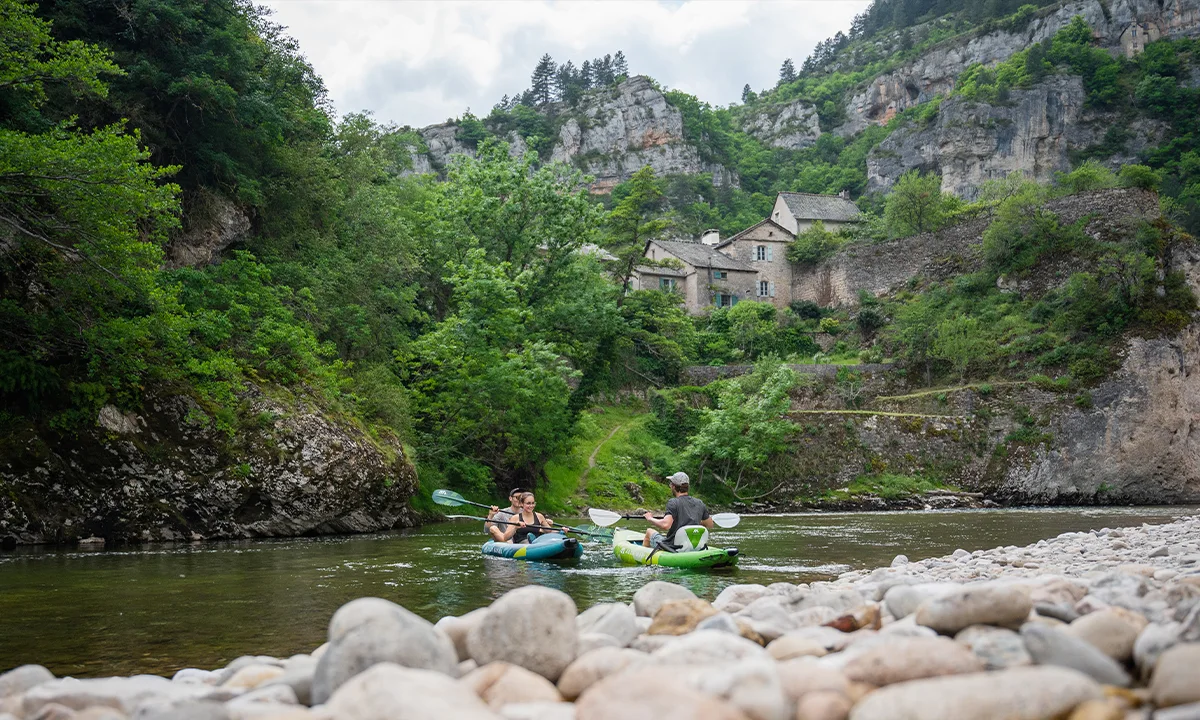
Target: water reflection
164	607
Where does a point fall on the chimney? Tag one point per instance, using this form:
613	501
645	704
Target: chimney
710	237
844	194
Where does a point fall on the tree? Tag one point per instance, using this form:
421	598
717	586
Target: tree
632	223
917	204
748	95
541	83
813	245
566	83
962	342
787	72
620	65
747	428
586	79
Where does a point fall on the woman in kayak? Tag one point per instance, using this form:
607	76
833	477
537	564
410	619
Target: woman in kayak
522	532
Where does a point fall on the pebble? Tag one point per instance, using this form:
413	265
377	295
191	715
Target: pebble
533	627
1113	631
997	648
651	596
795	645
648	695
707	646
1049	646
679	617
367	631
1176	678
736	597
457	629
1033	693
617	620
500	684
388	691
907	659
985	604
823	705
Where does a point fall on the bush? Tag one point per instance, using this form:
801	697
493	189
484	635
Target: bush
1089	176
806	310
1139	176
917	204
814	245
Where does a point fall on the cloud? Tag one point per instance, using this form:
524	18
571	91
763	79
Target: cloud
419	63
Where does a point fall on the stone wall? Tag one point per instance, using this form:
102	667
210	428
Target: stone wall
879	268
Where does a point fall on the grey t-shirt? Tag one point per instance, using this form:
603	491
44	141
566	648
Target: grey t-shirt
501	515
686	510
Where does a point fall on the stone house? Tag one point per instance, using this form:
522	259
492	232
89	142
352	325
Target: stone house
703	276
764	247
797	211
751	265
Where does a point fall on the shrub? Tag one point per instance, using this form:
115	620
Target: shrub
1083	401
917	204
814	245
1139	176
1089	176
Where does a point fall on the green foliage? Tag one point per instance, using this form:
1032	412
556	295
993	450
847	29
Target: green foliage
748	426
890	486
814	244
1091	175
960	342
1139	176
917	204
1022	231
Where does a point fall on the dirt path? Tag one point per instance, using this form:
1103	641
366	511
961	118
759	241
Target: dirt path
592	457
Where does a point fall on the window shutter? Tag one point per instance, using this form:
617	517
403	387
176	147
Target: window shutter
770	253
772	286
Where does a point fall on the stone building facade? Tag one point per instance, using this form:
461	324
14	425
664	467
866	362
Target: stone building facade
751	265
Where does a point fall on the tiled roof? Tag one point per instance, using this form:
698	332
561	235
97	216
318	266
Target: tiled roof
787	234
806	206
664	271
705	256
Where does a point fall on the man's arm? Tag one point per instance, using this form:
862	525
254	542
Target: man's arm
664	523
707	522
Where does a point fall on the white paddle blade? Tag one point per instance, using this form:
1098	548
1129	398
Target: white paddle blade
726	520
448	497
603	518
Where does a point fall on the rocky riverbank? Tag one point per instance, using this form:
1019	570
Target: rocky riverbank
1085	626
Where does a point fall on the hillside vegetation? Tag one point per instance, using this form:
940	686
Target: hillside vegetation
463	315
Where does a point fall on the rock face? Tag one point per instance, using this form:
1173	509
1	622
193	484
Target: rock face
297	472
613	133
1123	24
211	224
793	126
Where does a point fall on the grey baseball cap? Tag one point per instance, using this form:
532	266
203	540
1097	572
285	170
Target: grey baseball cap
679	478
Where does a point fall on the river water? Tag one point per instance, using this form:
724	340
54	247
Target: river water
158	608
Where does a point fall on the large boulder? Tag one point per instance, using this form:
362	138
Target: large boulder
533	627
589	668
651	694
679	617
367	631
1113	631
707	646
500	684
907	659
1048	646
736	597
20	679
1177	676
457	629
617	620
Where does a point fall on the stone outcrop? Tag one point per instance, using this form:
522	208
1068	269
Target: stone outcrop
613	133
211	224
1123	25
970	142
167	473
792	126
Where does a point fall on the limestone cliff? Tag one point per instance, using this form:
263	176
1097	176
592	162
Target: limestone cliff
792	126
611	134
1123	25
169	474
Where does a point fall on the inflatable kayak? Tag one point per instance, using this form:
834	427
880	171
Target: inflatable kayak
551	546
627	546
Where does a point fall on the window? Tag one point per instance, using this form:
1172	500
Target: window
723	300
766	288
720	275
666	284
764	252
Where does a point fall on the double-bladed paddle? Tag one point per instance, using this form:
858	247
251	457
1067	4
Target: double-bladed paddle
604	518
450	498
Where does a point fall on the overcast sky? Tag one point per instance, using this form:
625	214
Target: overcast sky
418	63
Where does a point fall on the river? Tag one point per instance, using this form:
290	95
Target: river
157	608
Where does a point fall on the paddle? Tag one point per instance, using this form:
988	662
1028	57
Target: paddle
604	518
453	499
605	535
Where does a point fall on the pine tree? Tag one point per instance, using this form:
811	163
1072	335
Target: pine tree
503	104
541	83
585	75
620	66
605	75
566	83
747	94
787	72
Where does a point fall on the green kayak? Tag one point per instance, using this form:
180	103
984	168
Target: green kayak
627	546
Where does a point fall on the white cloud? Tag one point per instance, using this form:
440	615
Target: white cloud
418	63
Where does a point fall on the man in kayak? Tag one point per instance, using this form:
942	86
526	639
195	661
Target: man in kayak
682	510
514	507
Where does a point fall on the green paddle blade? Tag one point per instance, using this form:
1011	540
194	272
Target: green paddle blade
603	518
597	533
448	497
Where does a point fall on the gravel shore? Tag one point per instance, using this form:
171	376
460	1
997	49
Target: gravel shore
1084	626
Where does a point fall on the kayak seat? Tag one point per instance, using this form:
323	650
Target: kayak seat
691	537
